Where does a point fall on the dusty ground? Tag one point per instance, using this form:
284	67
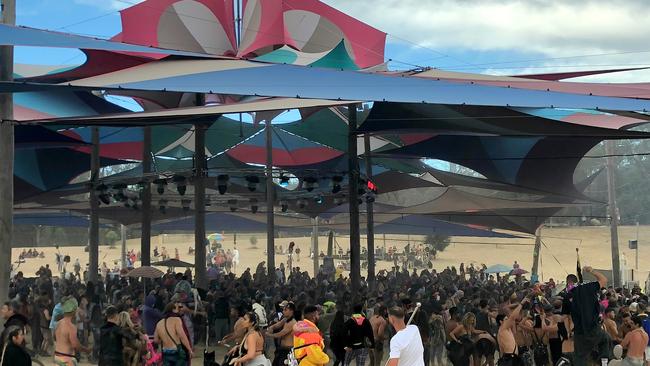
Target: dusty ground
558	253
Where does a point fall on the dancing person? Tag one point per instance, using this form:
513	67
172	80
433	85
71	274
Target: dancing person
283	330
337	338
66	342
308	344
378	322
170	333
358	330
635	343
406	345
506	337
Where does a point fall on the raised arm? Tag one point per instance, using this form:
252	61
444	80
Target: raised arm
602	280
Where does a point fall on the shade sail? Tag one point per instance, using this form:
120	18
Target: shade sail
27	137
188	115
247	78
25	36
502	121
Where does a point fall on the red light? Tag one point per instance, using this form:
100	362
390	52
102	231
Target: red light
372	187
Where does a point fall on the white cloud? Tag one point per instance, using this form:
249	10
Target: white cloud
109	4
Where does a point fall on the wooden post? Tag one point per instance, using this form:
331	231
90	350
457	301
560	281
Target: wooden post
199	206
613	212
536	254
314	244
6	155
123	235
93	232
270	190
370	227
145	227
353	195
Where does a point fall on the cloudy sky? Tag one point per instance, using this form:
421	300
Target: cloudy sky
486	36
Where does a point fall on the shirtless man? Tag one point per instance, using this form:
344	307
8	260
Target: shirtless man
378	323
67	344
285	333
524	334
506	337
635	342
169	332
610	325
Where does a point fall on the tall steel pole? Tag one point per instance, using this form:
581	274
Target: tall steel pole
353	196
613	211
93	232
314	244
536	254
123	251
199	206
370	217
6	154
145	227
270	190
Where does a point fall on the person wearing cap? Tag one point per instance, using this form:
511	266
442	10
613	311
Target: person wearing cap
308	343
67	344
283	330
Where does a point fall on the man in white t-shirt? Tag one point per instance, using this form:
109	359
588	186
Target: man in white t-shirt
406	345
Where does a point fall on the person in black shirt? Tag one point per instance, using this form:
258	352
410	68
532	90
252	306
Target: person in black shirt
358	329
110	340
581	307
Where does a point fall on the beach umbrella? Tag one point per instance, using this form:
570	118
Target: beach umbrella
145	272
498	268
172	263
518	272
215	236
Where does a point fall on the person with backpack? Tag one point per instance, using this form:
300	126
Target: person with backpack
358	329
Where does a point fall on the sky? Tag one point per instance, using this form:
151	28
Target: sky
483	36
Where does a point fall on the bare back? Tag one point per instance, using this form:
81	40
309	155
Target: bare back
506	340
378	324
66	337
287	339
636	342
172	335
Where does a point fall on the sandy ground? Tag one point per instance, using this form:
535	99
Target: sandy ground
558	252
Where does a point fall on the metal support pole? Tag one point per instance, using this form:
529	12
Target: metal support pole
636	266
370	217
613	211
93	233
145	227
123	236
6	155
353	196
314	244
536	254
270	197
199	206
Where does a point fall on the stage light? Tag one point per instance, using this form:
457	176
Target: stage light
181	184
284	205
233	205
302	203
254	207
160	185
370	197
253	181
186	204
310	182
284	180
319	199
336	183
222	183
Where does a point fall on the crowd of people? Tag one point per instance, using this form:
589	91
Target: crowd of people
463	317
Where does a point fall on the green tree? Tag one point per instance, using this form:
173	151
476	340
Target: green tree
253	240
112	237
437	243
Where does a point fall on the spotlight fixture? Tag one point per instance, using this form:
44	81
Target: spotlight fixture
120	194
103	194
254	207
284	205
160	185
336	183
162	206
181	184
233	205
338	200
222	183
310	182
319	199
370	197
186	204
302	203
284	180
253	181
